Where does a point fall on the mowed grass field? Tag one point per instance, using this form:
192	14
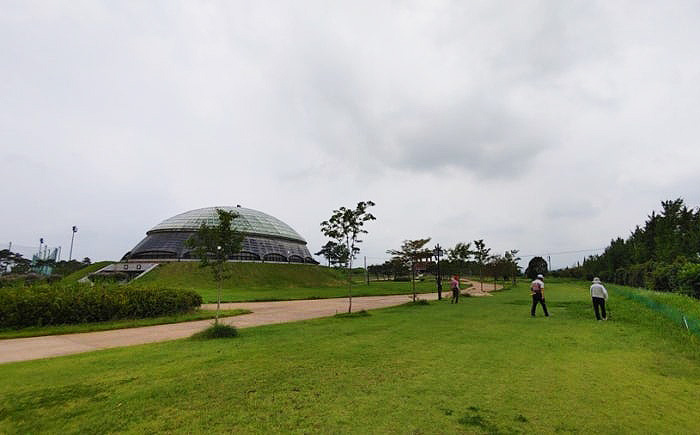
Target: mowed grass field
483	366
271	282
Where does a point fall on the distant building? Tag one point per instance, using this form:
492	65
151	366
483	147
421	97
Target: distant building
266	237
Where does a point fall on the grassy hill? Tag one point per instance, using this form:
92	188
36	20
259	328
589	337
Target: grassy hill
85	271
269	281
482	366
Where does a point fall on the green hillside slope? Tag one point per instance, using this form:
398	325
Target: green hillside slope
244	275
85	271
269	281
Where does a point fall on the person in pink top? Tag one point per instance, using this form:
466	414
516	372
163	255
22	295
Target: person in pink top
454	285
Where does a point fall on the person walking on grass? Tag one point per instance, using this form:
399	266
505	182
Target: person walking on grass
454	284
537	292
599	295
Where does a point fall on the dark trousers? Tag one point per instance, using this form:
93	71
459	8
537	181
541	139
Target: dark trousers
599	302
455	296
537	298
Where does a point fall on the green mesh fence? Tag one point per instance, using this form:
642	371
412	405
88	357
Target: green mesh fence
674	314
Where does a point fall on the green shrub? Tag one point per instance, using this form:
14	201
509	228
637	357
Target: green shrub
76	303
689	279
108	278
635	275
217	330
621	276
661	278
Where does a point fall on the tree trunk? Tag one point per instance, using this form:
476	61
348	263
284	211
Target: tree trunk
413	280
481	277
349	290
218	301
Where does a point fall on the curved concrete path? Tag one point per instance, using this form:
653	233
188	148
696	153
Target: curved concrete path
264	313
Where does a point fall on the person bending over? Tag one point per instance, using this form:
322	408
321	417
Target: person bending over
599	295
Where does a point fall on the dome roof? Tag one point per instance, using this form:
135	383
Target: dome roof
249	221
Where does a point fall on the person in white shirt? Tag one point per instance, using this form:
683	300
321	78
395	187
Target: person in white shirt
599	295
537	292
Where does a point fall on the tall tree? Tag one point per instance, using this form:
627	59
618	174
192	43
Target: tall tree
511	258
481	255
536	266
14	262
335	253
411	252
460	255
345	226
214	246
496	265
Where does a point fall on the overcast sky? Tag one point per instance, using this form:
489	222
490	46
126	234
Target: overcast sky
544	126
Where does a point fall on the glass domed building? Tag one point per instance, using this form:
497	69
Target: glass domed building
266	237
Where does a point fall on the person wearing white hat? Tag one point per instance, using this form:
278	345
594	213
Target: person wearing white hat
537	292
599	295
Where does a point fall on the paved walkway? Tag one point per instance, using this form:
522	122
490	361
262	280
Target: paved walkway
23	349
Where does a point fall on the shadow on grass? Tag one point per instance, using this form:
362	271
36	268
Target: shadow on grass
217	330
479	418
362	313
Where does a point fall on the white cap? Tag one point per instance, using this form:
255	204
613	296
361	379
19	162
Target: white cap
540	276
596	280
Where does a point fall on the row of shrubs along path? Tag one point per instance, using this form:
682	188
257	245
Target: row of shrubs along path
263	313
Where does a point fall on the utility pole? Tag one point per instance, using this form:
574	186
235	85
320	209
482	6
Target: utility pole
549	260
72	237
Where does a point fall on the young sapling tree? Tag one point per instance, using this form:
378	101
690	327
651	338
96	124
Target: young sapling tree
345	226
214	246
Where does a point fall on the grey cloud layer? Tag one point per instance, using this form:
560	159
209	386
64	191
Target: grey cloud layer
536	125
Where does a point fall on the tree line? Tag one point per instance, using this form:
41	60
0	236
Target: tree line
661	255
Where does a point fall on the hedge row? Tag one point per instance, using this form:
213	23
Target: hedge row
77	303
678	277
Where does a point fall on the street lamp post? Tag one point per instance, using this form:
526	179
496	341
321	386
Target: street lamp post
72	237
438	279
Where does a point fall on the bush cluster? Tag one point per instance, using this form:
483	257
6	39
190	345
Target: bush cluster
681	276
78	303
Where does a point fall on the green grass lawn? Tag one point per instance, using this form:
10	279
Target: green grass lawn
270	282
85	271
37	331
483	366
